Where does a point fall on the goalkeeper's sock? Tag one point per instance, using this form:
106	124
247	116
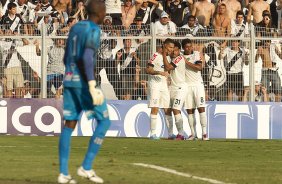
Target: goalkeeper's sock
169	124
153	124
191	121
95	143
64	149
179	124
203	121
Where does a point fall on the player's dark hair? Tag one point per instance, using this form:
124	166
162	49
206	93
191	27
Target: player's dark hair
11	5
94	6
185	41
168	41
177	44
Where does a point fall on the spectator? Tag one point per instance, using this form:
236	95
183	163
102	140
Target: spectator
12	66
256	8
176	11
65	30
80	12
128	60
233	6
270	55
64	7
204	11
221	22
265	28
191	28
260	93
113	9
105	54
55	66
148	11
129	11
234	58
13	21
139	29
239	27
165	27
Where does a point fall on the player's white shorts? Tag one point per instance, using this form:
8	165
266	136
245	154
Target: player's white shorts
195	97
158	98
177	97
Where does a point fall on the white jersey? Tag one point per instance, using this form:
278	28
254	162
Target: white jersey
157	81
193	77
178	74
113	6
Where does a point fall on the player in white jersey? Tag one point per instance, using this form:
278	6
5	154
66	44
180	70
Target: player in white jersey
158	88
177	88
196	92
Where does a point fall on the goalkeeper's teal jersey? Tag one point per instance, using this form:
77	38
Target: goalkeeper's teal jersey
84	34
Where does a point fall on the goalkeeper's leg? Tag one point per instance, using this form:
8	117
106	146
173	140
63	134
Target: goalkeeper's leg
64	151
103	124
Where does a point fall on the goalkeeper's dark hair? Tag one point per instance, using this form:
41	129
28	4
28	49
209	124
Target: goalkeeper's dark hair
94	6
185	41
177	44
168	41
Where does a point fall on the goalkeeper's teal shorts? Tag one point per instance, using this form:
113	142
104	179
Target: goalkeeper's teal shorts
77	100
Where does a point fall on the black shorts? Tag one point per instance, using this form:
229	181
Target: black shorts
235	82
116	19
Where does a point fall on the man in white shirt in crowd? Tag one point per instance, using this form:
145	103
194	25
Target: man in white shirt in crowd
158	87
165	27
239	28
234	58
196	92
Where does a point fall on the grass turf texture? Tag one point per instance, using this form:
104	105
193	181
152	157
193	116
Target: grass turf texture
35	160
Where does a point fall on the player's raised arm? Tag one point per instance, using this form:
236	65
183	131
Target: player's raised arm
198	65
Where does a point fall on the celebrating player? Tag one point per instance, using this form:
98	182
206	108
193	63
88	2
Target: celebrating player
178	87
196	93
158	88
81	92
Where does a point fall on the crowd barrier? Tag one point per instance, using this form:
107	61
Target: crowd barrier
238	120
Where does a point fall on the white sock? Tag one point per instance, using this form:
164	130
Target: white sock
192	122
169	124
203	121
153	123
179	124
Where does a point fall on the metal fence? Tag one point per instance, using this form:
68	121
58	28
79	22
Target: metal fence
246	67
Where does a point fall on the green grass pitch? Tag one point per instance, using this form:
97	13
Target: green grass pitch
31	160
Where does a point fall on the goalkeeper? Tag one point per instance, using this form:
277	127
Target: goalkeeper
81	92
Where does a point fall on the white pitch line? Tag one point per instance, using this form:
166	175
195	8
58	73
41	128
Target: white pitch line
159	168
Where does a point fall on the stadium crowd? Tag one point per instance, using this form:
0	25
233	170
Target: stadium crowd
124	60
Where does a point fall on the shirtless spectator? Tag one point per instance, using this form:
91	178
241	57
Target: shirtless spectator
270	78
129	11
233	6
256	8
239	28
204	11
63	6
222	22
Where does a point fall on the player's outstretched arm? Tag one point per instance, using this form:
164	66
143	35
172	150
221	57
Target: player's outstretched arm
88	62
